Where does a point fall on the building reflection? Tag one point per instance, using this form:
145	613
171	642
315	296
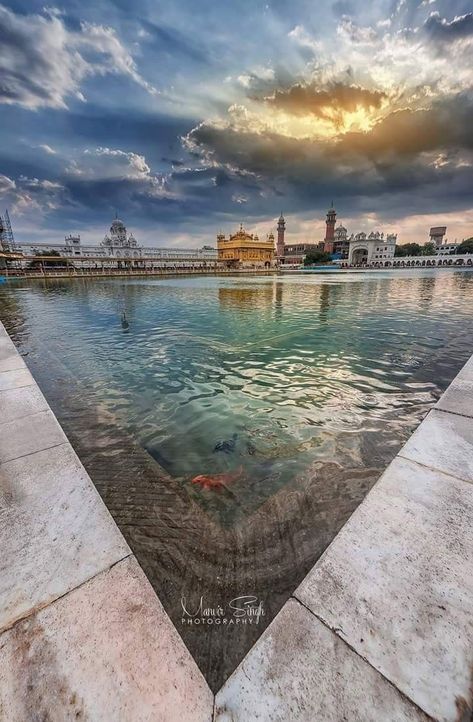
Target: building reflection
278	288
246	298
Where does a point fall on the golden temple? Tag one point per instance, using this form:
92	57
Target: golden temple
247	250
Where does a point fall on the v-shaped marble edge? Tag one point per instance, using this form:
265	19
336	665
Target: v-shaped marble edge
380	629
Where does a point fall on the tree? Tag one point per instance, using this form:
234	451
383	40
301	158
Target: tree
466	246
313	257
428	249
48	263
408	249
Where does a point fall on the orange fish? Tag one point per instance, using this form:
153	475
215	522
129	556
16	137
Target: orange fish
217	481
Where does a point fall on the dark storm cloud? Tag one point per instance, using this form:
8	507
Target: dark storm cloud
303	99
447	124
441	30
397	157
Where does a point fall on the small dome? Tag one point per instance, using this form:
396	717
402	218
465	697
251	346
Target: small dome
117	225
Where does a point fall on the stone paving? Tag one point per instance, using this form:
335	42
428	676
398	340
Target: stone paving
83	635
380	629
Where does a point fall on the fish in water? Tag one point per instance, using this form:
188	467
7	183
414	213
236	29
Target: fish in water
217	481
227	446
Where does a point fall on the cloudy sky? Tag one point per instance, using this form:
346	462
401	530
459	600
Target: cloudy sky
188	117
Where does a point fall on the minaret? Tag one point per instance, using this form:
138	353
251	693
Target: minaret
330	231
281	231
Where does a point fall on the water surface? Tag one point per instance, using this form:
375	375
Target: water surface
298	390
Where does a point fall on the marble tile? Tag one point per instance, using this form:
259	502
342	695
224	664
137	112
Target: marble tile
397	585
30	434
300	671
106	651
55	531
15	379
17	403
458	398
10	359
443	441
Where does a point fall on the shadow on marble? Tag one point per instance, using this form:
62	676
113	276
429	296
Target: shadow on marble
106	651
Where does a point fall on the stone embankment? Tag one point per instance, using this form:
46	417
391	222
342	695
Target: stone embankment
380	630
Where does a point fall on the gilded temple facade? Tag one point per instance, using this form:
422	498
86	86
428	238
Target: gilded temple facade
246	250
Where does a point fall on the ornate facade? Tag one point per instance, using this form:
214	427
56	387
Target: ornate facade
377	247
246	250
119	244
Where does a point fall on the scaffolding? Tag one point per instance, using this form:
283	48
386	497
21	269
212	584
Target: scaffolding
7	240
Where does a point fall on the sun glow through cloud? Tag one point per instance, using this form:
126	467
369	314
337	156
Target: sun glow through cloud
369	105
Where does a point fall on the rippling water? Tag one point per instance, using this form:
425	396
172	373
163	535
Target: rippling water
300	388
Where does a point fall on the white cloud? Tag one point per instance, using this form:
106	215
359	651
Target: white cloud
43	63
6	185
47	149
112	164
26	195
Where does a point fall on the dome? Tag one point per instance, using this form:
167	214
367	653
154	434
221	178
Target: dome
117	225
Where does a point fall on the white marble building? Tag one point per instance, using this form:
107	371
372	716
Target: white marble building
119	244
375	247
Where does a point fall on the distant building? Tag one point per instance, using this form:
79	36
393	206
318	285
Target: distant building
295	253
246	250
375	247
280	249
443	247
446	249
341	243
437	235
119	244
330	230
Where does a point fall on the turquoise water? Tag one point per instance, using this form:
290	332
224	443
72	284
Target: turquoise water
298	390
